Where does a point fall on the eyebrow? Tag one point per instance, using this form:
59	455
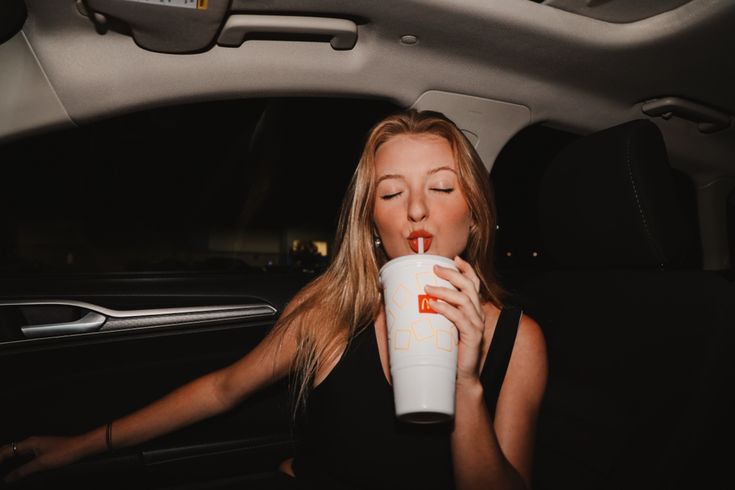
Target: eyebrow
399	176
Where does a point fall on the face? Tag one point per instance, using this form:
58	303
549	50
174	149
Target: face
418	195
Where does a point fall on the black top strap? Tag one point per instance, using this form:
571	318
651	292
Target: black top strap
498	355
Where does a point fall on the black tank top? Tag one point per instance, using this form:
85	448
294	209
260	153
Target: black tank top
349	436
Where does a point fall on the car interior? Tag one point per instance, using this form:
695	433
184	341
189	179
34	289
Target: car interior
173	172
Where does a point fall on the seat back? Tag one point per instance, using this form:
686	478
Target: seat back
639	338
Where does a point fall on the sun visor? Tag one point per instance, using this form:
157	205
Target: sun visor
12	17
167	26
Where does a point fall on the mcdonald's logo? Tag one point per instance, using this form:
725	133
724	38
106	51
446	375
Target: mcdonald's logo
424	304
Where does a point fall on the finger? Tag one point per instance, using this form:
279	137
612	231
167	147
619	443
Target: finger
26	447
468	271
459	300
7	452
459	303
11	477
29	468
468	332
18	473
458	280
464	286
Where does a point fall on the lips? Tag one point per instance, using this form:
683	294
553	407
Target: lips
413	240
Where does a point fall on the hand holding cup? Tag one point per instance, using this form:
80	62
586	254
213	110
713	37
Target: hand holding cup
461	304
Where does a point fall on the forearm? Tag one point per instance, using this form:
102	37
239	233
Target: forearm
190	403
204	397
479	462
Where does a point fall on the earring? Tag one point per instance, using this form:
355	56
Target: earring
377	242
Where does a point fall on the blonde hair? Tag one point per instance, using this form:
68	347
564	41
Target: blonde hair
328	312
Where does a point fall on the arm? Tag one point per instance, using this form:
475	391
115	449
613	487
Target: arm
487	454
499	454
201	398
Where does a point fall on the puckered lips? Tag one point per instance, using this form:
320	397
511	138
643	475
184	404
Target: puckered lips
413	240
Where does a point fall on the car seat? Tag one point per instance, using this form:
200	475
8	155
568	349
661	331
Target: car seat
640	339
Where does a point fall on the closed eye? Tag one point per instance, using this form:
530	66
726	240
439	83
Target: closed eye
385	197
446	190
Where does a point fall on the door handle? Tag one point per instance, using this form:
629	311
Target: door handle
100	319
343	32
88	323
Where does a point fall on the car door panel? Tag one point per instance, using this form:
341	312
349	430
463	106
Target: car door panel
152	341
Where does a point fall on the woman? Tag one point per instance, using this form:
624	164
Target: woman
417	174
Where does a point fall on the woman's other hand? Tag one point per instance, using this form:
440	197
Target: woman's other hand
463	308
46	453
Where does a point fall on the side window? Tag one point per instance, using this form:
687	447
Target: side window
242	185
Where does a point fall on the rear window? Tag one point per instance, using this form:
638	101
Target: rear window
240	185
516	176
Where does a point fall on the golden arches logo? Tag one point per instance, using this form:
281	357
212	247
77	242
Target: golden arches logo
424	305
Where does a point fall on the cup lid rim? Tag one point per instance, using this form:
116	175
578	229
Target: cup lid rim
413	257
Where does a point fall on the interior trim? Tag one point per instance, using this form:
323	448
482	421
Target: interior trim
249	309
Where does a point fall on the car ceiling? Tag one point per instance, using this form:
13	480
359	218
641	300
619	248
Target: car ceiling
571	70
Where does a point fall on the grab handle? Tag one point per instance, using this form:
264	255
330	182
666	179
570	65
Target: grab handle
710	120
342	32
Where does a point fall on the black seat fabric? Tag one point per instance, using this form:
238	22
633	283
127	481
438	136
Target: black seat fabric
610	200
639	339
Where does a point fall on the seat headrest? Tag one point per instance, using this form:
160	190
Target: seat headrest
610	199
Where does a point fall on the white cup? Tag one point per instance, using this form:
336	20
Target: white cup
422	344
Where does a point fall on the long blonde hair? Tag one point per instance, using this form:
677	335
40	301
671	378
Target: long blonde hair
328	312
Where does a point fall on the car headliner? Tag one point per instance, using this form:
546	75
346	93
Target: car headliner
564	69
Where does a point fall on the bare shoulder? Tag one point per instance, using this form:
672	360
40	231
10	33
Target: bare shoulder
528	361
530	339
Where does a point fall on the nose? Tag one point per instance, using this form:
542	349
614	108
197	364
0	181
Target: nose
417	208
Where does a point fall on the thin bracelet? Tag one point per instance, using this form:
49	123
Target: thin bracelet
108	436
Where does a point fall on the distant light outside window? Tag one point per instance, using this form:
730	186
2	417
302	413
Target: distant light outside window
319	246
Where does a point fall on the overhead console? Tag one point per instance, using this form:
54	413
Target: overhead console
192	26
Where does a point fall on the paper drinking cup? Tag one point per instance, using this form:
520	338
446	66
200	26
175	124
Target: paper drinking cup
422	343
